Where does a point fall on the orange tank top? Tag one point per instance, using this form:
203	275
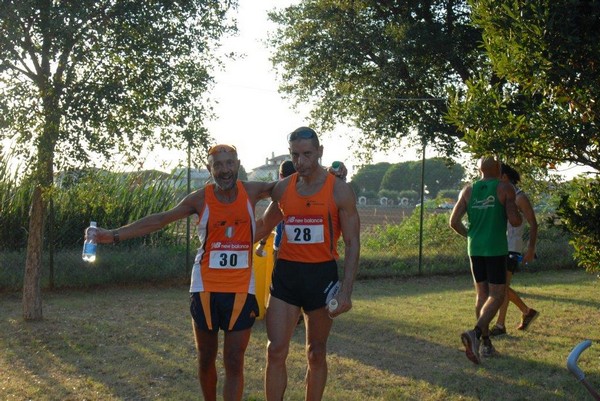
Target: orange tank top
224	260
312	226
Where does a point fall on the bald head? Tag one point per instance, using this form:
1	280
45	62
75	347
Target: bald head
489	167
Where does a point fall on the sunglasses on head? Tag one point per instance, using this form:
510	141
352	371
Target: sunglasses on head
222	149
302	133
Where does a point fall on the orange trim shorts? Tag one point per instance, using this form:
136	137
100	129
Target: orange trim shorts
227	311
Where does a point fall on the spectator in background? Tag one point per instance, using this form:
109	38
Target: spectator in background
515	249
488	203
286	169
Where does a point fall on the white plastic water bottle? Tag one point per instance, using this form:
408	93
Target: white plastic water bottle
260	252
332	305
330	300
90	245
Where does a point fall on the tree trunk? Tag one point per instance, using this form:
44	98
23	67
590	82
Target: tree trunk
32	296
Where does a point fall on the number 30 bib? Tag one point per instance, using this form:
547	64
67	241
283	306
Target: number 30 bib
229	255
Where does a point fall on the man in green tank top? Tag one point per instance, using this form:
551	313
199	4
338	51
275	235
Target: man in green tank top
488	203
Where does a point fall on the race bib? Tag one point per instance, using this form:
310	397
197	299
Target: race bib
304	229
229	256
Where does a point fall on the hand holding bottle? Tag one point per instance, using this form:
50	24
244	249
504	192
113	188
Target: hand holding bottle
90	245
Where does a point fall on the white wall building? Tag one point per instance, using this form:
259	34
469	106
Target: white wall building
270	170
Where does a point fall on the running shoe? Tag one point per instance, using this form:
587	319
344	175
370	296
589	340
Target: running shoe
488	351
497	331
471	343
527	318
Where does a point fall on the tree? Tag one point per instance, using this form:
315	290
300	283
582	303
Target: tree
381	66
82	80
368	178
438	175
544	109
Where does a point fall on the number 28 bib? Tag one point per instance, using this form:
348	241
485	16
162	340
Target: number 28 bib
304	229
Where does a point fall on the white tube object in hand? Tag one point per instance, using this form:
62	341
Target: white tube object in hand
332	305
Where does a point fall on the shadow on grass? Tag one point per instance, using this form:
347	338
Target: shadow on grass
104	345
445	368
417	341
400	342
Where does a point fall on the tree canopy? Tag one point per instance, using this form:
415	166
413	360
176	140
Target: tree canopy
543	110
381	66
406	176
91	78
368	178
88	78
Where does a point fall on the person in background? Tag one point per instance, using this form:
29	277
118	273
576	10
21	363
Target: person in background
286	168
316	208
515	247
488	203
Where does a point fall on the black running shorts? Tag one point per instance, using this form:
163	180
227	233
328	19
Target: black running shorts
489	268
227	311
303	284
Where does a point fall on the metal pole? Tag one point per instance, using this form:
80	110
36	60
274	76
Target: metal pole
422	208
187	222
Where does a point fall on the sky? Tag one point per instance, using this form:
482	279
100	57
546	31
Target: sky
254	117
251	114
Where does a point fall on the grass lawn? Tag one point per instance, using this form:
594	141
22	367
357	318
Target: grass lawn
400	342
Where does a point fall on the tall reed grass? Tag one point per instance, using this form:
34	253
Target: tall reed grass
113	199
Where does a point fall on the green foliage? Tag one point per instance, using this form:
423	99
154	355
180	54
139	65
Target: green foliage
368	178
111	199
399	238
243	175
449	194
15	197
579	210
406	176
84	79
393	195
87	78
542	110
411	195
383	67
438	174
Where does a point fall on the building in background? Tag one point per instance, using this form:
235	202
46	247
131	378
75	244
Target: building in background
198	177
270	170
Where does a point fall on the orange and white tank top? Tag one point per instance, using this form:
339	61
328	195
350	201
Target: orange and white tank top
224	260
312	225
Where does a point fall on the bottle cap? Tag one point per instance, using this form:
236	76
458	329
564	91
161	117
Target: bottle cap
332	305
335	165
93	224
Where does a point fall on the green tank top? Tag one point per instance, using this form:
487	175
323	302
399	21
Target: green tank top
487	221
